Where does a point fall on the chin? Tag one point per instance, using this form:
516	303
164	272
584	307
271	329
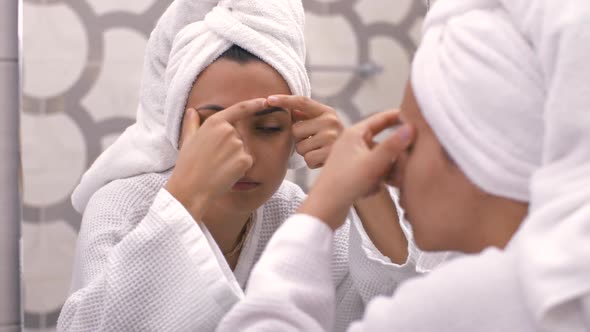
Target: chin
243	200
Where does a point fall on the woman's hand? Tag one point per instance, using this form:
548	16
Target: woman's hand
316	127
212	156
356	167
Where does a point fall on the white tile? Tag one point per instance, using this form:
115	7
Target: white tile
47	272
116	92
54	157
385	11
134	6
385	90
330	42
55	49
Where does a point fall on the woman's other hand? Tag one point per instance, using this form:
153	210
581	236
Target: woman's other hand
316	127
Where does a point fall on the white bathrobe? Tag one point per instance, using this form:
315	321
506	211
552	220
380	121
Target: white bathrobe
541	281
144	264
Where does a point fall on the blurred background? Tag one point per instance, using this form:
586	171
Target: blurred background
82	68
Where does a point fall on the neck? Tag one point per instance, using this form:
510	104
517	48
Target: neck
500	222
225	225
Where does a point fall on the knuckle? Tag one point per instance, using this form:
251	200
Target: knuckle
331	135
300	149
304	101
296	131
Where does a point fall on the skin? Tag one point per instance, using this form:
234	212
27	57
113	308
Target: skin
459	215
446	210
235	145
231	161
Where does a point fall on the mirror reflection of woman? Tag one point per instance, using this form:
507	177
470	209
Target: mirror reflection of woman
180	208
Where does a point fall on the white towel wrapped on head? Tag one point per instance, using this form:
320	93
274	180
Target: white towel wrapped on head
482	98
191	35
271	30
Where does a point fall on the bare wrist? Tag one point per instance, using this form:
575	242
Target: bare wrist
195	204
326	206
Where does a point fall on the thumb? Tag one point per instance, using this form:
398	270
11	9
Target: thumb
190	123
194	121
386	152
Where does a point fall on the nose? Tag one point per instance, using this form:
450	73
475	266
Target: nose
245	135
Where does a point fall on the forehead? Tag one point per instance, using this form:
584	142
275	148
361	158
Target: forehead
226	83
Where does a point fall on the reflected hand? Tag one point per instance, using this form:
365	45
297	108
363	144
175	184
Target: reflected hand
316	127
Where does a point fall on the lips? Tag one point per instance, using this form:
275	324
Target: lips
246	184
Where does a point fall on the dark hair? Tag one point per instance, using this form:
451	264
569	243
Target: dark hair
239	55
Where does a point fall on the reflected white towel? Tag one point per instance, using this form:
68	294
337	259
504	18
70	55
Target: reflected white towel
272	30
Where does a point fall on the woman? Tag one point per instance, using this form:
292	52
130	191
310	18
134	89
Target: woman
171	249
492	159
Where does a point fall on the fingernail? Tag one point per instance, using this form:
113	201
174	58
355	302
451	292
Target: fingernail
273	99
404	133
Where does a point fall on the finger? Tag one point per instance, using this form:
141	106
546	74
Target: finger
376	123
304	129
315	142
311	127
242	110
190	124
306	105
298	115
385	153
316	158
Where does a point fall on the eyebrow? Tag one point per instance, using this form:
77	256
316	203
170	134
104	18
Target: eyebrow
217	108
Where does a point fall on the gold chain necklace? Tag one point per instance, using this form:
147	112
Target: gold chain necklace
243	236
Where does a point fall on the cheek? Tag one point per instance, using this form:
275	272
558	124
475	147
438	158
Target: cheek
426	197
272	153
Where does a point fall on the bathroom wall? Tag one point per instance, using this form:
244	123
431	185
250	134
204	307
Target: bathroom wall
82	66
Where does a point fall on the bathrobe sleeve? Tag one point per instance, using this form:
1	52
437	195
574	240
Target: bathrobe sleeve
290	290
160	276
373	273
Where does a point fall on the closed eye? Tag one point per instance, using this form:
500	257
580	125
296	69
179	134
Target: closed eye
269	129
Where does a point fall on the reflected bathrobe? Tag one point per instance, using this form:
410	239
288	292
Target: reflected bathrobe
144	264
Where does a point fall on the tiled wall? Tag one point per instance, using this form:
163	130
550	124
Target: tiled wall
83	61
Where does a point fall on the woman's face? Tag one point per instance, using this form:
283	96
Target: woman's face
267	136
441	204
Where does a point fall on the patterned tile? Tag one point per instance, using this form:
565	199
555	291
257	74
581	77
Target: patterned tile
53	152
387	12
55	49
386	89
114	95
108	6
